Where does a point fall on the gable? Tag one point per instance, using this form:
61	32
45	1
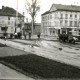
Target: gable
53	8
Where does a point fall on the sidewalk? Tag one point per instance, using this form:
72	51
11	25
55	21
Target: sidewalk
8	73
43	37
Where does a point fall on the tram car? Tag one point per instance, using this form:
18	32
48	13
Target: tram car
70	35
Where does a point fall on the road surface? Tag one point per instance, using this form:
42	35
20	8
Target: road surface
70	54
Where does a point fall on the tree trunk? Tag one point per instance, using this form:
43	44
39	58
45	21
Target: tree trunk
32	25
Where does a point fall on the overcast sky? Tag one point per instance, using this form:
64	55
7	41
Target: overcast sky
45	5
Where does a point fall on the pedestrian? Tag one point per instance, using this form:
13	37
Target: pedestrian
25	36
38	35
29	35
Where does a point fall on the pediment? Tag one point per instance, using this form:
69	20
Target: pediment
53	8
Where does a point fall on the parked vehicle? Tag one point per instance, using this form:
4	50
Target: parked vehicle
71	35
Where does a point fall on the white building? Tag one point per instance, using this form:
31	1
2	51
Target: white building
8	21
60	16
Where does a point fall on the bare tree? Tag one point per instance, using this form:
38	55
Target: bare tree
32	7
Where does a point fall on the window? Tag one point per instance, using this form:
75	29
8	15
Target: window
42	18
66	22
71	23
11	29
2	22
61	16
46	18
61	22
4	28
12	23
75	16
70	15
46	23
79	23
50	16
75	23
8	22
66	16
56	15
8	18
79	16
50	23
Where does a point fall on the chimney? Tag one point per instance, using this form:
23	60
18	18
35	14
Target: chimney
2	7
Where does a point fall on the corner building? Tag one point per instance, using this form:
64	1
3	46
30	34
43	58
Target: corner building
60	16
9	21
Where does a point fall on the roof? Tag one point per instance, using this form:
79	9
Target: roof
62	7
46	12
7	11
67	7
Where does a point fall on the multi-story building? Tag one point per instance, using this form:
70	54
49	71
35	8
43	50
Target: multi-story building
60	16
9	21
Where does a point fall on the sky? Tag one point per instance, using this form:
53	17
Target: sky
45	5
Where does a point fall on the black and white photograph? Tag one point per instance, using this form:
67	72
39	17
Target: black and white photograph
39	39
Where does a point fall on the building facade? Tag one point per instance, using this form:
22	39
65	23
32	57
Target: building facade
60	16
9	22
36	28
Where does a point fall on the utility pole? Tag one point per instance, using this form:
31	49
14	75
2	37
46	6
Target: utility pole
32	27
16	20
16	17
